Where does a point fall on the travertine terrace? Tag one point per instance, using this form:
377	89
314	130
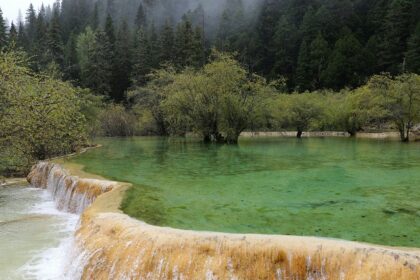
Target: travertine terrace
111	245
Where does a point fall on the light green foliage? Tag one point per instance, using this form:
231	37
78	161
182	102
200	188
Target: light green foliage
217	102
298	111
39	116
85	46
399	99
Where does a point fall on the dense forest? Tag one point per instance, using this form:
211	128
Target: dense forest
82	69
110	46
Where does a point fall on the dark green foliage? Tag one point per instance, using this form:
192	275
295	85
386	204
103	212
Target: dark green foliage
141	58
3	31
413	52
100	66
309	44
141	20
345	63
123	60
55	43
13	35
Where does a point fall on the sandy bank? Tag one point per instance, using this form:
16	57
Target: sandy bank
112	245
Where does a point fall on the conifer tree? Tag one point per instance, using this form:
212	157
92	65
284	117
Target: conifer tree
71	66
167	44
413	52
319	53
141	20
22	39
13	35
55	44
397	23
122	68
100	67
154	50
303	71
345	62
3	31
31	24
141	59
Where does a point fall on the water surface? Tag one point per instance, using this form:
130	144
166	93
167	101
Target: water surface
363	190
34	236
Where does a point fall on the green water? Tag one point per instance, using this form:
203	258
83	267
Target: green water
343	188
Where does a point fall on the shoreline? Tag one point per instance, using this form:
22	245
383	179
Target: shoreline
129	246
380	135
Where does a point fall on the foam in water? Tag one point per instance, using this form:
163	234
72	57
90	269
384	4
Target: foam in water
51	263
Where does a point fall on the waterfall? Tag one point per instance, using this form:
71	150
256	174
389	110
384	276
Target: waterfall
71	194
110	245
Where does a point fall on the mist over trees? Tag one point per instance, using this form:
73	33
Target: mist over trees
111	46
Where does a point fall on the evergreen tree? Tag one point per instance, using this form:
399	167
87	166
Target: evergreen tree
345	63
319	53
31	24
167	44
109	30
397	32
100	67
13	35
188	45
304	71
41	41
141	59
71	64
198	55
141	20
3	31
266	28
95	17
154	50
55	44
413	52
22	40
122	70
285	41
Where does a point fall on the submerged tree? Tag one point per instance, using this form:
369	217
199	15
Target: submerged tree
217	102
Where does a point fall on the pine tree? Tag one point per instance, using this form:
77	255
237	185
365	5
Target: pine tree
122	69
109	30
397	32
266	29
185	44
31	24
345	63
413	52
55	44
167	44
41	41
197	55
13	35
154	50
70	64
141	59
22	40
100	67
95	17
303	71
319	53
3	31
141	20
285	41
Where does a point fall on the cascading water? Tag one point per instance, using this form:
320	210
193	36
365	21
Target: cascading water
111	245
70	193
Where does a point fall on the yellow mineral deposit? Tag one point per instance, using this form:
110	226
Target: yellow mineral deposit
111	245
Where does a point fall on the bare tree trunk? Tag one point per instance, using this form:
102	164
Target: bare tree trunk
299	134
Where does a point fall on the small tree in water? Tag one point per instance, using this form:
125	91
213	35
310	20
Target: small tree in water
217	102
